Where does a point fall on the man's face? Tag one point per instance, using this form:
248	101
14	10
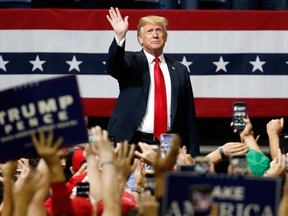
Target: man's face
153	38
63	154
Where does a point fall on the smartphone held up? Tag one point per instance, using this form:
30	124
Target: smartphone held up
83	189
239	113
166	141
283	138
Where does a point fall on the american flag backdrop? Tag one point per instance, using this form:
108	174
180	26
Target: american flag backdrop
231	55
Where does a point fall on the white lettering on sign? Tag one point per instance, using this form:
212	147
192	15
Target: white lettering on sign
229	192
225	209
14	117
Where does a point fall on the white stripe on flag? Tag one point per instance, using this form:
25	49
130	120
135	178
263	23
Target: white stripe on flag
237	86
104	86
178	41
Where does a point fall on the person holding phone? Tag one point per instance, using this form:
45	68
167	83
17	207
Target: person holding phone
156	95
257	161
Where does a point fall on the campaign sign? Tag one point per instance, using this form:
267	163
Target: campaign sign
233	195
49	104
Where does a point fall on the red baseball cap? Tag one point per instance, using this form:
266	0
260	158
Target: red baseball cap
81	206
77	159
128	203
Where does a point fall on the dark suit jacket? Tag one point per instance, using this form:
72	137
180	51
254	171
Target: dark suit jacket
132	73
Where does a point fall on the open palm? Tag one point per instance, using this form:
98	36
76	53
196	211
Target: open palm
119	25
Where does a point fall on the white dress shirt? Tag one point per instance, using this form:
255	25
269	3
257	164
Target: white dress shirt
147	124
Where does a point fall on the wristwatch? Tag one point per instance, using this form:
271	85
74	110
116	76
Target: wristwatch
100	166
137	190
223	156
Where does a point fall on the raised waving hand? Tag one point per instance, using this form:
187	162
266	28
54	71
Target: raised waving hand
119	25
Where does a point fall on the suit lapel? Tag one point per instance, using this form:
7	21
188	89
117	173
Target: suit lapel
174	87
143	65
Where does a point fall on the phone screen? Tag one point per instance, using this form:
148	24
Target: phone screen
165	143
239	113
82	189
283	138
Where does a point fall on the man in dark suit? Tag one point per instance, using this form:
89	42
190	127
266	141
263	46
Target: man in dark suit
133	118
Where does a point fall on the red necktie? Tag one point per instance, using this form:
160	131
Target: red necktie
160	104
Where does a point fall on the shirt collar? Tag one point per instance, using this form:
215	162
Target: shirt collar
151	58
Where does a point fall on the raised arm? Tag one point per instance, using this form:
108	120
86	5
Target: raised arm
36	206
25	188
8	171
274	128
125	163
283	206
47	149
229	149
94	175
277	165
119	25
163	165
111	193
247	136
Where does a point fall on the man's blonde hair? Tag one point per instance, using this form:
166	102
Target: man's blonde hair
152	19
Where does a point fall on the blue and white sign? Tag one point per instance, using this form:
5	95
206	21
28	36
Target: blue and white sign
234	195
49	104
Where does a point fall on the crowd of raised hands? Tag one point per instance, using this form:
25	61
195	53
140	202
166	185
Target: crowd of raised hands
43	189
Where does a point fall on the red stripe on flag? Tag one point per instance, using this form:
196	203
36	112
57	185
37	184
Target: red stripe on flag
178	19
205	107
98	106
222	107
